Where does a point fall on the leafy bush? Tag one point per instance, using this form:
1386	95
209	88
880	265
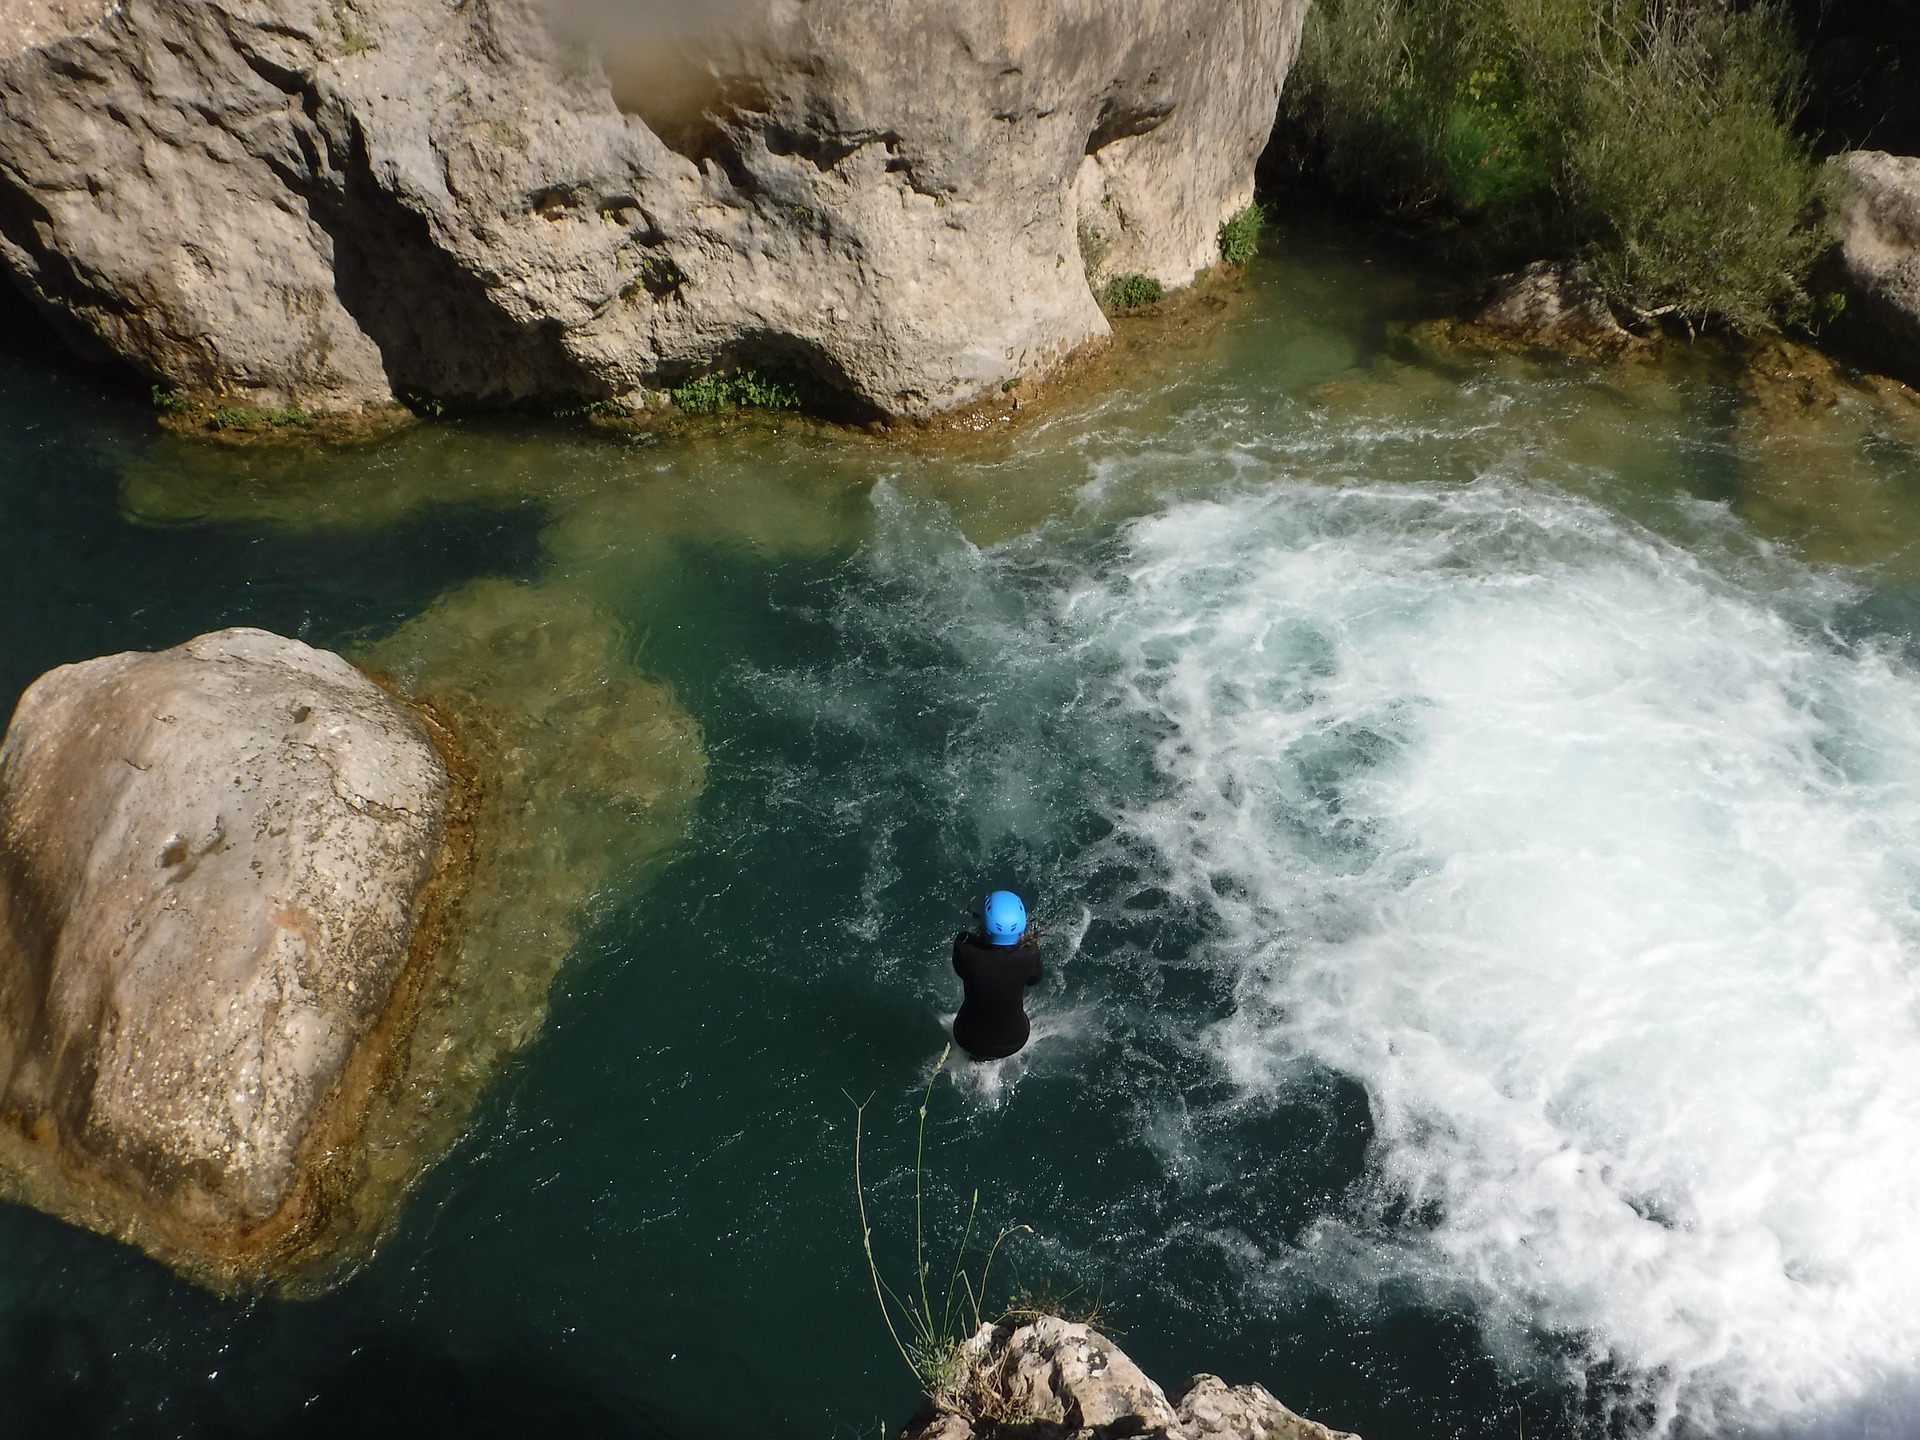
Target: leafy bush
747	388
1651	139
1129	292
1240	234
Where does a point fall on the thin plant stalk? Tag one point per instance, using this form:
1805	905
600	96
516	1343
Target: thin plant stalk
919	1152
934	1349
959	1257
866	1235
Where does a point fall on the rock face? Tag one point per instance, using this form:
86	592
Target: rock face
211	868
1053	1379
329	203
1879	254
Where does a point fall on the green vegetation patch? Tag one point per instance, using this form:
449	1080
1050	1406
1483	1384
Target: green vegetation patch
247	417
1125	293
1240	234
1651	139
182	409
591	409
747	389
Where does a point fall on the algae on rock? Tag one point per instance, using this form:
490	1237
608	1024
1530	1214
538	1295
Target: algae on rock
582	772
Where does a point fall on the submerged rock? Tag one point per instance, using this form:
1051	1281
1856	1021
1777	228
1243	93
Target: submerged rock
1823	455
214	864
588	772
1054	1379
331	206
1879	254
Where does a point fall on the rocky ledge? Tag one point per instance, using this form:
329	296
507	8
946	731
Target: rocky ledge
214	867
1054	1379
333	204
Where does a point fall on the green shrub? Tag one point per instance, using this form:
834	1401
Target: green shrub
745	388
1240	234
1129	292
1652	139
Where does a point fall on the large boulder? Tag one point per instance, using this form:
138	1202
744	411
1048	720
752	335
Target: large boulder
212	868
331	203
1879	255
1053	1379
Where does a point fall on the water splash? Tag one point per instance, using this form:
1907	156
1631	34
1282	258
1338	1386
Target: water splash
1598	873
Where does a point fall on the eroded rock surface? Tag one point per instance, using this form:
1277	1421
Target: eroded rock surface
330	204
1054	1379
212	862
1879	254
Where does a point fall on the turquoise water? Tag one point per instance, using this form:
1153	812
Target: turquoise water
1474	805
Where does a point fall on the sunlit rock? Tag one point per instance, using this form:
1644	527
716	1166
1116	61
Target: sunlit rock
215	862
1878	223
1550	306
1059	1378
337	206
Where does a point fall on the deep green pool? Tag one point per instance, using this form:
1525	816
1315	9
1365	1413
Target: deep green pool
1475	806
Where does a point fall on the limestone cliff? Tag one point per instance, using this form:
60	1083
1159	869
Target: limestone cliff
330	203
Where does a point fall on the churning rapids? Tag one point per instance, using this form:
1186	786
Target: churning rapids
1475	805
1597	870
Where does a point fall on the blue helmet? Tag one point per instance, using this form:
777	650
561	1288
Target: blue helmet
1005	917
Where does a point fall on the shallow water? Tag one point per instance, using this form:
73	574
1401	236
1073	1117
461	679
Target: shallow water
1475	806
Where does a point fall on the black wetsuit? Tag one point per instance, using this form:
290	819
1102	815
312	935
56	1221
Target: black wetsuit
992	1023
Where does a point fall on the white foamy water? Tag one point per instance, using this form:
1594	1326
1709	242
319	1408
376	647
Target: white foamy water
1601	877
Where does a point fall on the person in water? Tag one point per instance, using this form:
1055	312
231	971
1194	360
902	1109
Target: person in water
996	967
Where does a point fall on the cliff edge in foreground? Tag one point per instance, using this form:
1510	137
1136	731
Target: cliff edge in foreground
1054	1379
331	204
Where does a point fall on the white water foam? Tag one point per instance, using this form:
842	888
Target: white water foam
1600	875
